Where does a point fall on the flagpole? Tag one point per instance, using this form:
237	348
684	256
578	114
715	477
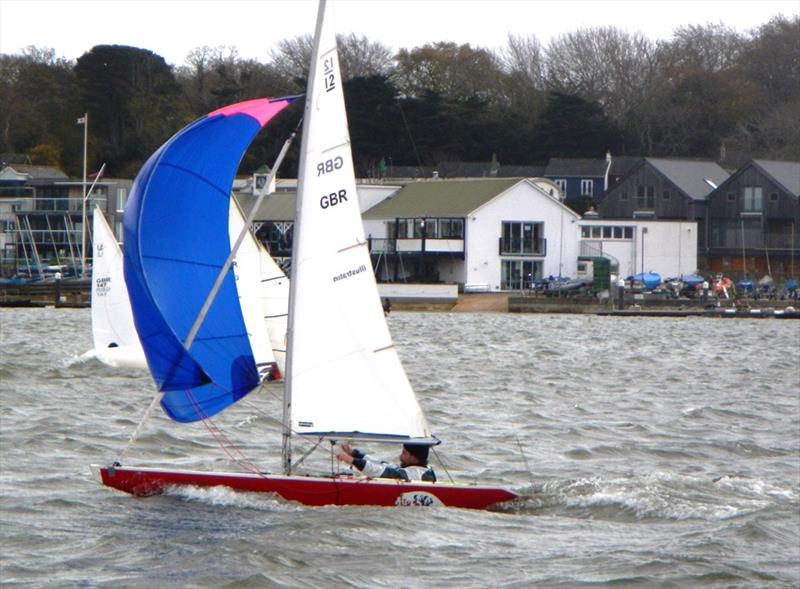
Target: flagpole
83	218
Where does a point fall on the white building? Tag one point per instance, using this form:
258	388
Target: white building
668	248
483	234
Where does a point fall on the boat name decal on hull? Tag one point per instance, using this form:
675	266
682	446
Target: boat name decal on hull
418	499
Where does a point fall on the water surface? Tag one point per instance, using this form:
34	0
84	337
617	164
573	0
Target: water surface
651	453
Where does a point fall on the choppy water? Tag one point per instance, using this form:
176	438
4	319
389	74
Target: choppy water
653	453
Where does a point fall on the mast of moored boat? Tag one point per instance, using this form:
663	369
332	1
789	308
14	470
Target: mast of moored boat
286	451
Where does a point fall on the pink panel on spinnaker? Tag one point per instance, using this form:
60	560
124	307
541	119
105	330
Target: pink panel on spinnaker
261	109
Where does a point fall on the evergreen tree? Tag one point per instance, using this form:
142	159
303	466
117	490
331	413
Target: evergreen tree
573	127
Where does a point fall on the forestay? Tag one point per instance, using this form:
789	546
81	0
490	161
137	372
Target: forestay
344	376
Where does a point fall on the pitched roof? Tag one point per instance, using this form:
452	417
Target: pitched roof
440	198
787	174
278	206
533	171
622	164
562	166
690	176
39	172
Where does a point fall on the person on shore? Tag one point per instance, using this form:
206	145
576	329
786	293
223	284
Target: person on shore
413	463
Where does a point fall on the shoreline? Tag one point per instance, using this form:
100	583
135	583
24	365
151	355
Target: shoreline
70	295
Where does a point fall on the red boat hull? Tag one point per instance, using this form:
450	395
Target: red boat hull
314	491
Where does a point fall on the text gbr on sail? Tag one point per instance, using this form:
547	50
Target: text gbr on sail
329	165
333	199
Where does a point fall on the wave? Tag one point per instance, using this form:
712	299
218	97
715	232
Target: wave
656	496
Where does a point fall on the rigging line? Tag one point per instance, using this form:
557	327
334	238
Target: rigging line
408	130
277	421
222	439
525	461
307	454
138	429
441	462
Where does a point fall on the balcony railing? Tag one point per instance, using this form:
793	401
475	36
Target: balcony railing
420	245
775	241
517	247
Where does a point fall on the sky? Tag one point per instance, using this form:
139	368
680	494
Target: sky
173	28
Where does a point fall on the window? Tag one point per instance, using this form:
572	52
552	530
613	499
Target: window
122	198
587	187
562	184
606	232
451	228
751	202
665	195
773	197
519	274
645	197
522	237
731	197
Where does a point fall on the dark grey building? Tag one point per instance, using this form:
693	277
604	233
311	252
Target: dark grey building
754	221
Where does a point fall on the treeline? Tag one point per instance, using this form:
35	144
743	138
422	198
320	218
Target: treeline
709	92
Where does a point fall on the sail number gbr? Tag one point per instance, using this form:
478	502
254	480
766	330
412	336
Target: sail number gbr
333	199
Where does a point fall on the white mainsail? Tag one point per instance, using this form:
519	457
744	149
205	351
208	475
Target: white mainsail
343	374
115	339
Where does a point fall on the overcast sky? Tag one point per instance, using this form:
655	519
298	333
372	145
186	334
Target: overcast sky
172	28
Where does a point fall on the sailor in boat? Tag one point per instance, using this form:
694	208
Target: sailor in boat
413	464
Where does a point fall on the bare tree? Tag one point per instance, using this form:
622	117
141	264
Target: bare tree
771	59
291	57
618	70
523	64
358	57
710	47
362	58
456	72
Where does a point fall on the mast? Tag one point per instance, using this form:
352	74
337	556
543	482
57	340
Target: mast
85	121
744	259
286	451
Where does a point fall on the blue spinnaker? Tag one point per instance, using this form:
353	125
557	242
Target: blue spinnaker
176	242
